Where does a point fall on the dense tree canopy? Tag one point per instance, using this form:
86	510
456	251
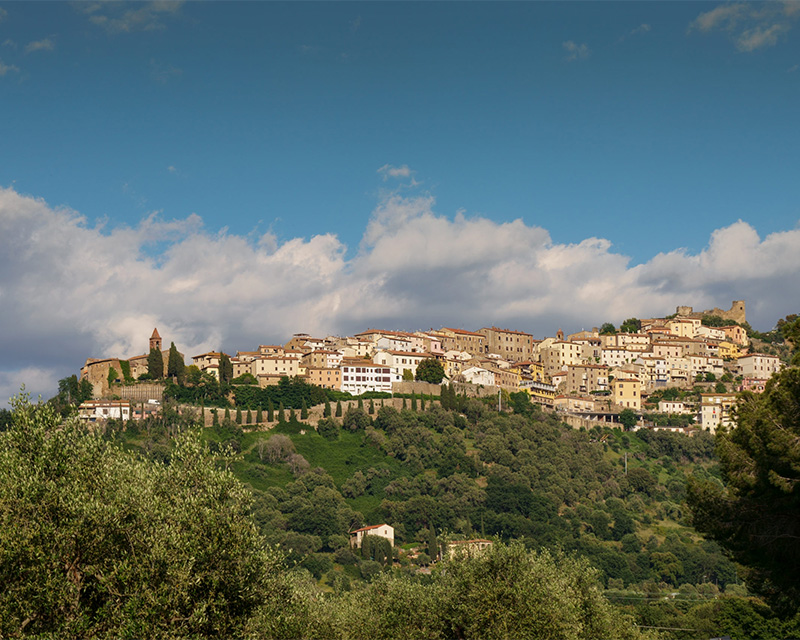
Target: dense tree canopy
430	370
96	542
631	325
757	515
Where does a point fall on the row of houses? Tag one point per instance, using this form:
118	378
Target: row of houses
622	368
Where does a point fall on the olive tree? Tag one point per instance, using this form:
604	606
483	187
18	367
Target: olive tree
98	542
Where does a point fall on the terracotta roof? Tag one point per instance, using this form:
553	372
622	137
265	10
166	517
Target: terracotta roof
522	333
374	526
463	332
155	334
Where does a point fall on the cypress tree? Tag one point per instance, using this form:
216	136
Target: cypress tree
155	364
326	412
360	403
214	418
225	368
227	414
413	402
304	411
238	415
371	407
249	417
259	416
443	397
338	408
176	367
404	403
270	410
281	415
422	403
292	416
433	544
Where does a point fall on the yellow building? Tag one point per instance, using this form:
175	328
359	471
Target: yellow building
729	350
627	393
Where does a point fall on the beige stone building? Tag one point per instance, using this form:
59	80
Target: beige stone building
716	410
208	362
325	378
560	354
461	340
758	365
468	548
736	334
511	345
585	378
281	366
684	327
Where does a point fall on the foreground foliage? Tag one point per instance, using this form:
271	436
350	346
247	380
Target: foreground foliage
97	542
503	592
756	517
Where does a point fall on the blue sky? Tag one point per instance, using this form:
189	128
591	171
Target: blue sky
377	144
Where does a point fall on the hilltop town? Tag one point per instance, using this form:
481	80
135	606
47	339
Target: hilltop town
590	377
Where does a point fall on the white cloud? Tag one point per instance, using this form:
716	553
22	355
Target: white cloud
641	29
115	17
725	16
5	68
45	44
8	42
575	51
389	171
750	27
35	380
3	14
760	36
71	290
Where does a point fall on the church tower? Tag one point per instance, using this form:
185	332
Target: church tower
155	340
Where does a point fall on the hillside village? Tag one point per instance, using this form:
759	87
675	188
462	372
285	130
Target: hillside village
588	377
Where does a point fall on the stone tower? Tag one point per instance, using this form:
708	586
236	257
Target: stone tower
155	340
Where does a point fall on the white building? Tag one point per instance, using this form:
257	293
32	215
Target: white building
381	530
400	361
479	376
759	365
94	410
360	376
716	410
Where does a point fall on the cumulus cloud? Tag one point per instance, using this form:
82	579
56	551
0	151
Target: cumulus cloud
45	44
390	171
116	17
6	68
641	29
71	289
750	27
575	51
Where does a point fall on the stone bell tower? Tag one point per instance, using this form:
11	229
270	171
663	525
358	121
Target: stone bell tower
155	340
